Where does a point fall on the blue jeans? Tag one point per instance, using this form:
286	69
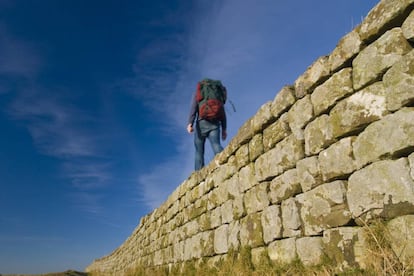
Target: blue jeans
211	131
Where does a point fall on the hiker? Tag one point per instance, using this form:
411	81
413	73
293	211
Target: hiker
207	109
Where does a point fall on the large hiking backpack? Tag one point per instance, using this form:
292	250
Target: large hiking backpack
211	96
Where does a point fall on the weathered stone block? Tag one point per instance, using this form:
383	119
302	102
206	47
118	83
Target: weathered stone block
310	250
185	201
215	217
220	239
247	178
227	212
191	181
178	249
360	109
233	235
202	188
408	27
221	174
190	228
291	218
313	76
346	246
262	118
381	16
276	132
392	135
283	100
251	232
207	243
173	210
196	209
299	115
222	157
402	239
337	161
244	134
204	222
282	251
218	196
335	88
284	186
238	207
158	260
379	56
256	199
318	135
168	255
193	194
324	207
197	245
208	169
279	159
256	147
192	248
347	48
382	189
242	156
399	83
232	186
209	182
271	223
309	173
411	162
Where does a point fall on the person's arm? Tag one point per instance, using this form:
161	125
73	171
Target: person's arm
224	127
193	114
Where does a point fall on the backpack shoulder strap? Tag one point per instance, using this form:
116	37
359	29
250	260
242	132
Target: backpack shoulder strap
199	94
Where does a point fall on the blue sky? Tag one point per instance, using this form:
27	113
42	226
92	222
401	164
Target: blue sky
94	99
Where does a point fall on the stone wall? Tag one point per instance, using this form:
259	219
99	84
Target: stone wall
330	153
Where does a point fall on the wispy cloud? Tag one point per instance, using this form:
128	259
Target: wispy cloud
61	130
88	202
88	175
157	184
219	46
56	128
17	57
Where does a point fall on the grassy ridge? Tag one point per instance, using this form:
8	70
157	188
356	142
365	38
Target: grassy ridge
66	273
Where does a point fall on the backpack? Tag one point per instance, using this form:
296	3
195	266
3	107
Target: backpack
211	96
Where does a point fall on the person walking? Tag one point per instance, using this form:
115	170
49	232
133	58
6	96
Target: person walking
208	114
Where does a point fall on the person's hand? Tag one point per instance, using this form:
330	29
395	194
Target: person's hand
224	135
190	128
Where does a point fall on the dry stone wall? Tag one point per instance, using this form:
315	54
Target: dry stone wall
330	153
